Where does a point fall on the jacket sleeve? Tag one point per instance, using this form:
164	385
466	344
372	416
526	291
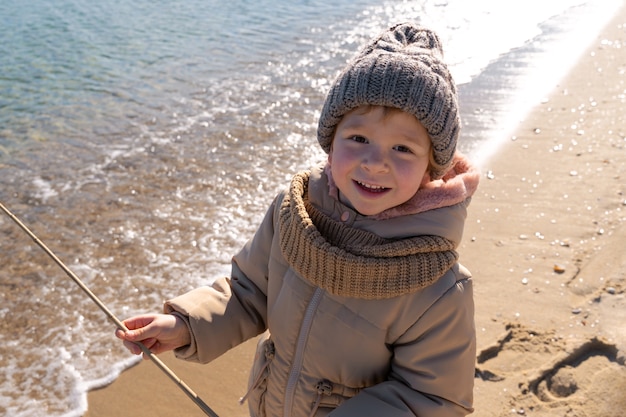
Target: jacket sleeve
233	309
432	370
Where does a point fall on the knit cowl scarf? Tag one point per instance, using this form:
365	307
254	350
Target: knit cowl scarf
351	262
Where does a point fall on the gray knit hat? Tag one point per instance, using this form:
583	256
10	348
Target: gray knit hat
402	68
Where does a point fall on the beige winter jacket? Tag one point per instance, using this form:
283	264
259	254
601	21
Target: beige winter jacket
408	351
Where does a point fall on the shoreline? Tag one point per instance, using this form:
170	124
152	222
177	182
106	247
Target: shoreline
544	240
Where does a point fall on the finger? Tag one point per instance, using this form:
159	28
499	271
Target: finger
132	347
138	322
140	334
121	334
150	343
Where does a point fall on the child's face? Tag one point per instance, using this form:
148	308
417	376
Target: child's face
378	158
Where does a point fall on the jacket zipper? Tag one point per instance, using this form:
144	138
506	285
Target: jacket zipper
298	357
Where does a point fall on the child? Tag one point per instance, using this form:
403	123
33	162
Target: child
352	277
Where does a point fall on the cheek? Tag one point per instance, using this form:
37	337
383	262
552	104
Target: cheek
334	161
412	167
337	158
416	172
422	176
339	168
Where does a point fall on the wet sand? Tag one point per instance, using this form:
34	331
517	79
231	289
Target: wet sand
545	241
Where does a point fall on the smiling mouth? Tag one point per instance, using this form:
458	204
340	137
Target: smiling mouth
371	188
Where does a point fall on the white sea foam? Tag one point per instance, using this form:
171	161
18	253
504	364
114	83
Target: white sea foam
44	188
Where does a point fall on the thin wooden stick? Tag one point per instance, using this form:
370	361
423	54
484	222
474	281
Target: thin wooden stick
192	395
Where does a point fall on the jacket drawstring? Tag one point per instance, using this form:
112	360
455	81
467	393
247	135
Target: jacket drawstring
269	355
324	387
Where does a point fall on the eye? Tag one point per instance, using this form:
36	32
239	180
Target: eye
357	138
402	148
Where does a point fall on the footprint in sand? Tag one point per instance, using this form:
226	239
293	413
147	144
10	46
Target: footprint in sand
567	374
590	379
519	350
553	380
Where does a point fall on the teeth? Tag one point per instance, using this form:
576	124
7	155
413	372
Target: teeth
371	187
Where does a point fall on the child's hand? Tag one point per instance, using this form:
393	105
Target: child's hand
157	332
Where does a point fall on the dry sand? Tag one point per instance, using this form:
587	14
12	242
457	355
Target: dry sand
546	242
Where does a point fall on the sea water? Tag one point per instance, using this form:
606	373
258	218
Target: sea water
143	141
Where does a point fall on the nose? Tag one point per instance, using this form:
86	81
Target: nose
375	160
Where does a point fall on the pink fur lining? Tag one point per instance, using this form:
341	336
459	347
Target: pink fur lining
457	185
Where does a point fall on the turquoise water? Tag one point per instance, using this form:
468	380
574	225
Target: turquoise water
143	141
